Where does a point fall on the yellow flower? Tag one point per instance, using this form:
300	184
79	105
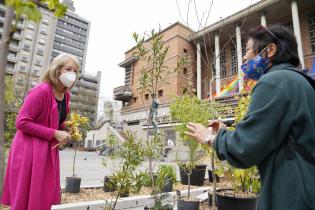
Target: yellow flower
74	124
84	120
77	136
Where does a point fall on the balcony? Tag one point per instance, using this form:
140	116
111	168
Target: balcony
9	70
17	36
122	93
13	47
12	58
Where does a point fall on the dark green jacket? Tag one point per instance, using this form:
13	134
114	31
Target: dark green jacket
281	101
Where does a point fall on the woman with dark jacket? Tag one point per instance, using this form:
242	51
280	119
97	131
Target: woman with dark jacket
281	114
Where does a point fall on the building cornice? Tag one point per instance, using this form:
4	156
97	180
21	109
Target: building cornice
259	6
169	27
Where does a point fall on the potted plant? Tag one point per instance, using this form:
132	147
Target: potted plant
190	109
154	74
111	143
166	176
126	179
77	126
245	182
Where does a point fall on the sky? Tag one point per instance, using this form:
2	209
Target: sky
114	21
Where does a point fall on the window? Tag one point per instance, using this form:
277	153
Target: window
135	99
22	69
41	41
160	93
146	96
24	58
170	135
185	50
26	47
214	73
40	52
36	72
28	36
311	27
31	26
243	47
38	62
128	75
45	21
234	59
223	64
43	31
185	71
20	80
134	122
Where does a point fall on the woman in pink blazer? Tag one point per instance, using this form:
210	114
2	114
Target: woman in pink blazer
32	180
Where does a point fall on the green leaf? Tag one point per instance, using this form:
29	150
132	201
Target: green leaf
30	10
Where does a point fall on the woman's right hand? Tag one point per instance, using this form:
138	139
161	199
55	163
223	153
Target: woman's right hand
62	136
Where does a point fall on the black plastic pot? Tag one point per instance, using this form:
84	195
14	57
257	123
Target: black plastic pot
73	184
217	178
228	202
124	194
168	186
210	199
187	205
108	186
197	175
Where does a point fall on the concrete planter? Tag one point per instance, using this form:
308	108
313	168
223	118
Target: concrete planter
132	203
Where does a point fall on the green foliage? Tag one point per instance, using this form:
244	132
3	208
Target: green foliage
30	8
166	173
10	129
245	180
154	148
187	109
126	179
8	94
10	117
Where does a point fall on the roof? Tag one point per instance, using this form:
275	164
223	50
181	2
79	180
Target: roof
259	6
167	28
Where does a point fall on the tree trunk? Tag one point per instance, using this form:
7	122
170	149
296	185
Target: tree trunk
4	47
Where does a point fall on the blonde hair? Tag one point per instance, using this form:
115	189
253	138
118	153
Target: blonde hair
51	74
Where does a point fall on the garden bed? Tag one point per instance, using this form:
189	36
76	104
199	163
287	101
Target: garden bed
91	194
99	194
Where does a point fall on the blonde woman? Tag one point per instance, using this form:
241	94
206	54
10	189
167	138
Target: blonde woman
32	180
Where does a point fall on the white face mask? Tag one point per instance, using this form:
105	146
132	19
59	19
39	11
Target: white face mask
68	78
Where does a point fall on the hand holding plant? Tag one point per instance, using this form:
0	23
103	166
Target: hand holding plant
77	126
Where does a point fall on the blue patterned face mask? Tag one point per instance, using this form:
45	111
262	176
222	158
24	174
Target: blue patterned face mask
256	67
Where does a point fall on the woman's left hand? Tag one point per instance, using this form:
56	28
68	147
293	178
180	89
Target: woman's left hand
201	133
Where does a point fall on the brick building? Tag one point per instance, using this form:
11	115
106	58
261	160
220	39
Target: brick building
133	115
216	53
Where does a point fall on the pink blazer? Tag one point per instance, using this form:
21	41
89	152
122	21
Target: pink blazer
32	180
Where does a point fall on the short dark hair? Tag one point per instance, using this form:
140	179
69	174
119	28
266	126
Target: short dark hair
279	35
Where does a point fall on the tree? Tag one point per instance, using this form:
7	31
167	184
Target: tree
29	10
154	74
10	113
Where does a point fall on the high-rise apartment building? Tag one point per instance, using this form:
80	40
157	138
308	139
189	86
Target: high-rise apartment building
71	35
